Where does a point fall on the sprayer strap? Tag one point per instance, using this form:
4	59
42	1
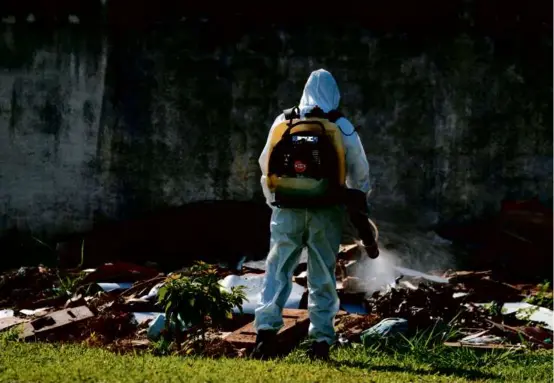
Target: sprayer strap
292	113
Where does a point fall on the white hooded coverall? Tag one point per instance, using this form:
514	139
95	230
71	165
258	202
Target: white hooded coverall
318	229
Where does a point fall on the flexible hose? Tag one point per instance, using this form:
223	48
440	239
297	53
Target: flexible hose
374	228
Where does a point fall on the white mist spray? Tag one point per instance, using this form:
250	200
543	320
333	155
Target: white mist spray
376	274
415	254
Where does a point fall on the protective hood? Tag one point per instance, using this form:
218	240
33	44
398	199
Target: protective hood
322	90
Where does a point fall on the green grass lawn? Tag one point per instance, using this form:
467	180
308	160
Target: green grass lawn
35	362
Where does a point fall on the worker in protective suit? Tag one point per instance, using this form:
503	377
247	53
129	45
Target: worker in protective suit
317	229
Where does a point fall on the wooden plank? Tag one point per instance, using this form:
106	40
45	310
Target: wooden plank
296	323
490	346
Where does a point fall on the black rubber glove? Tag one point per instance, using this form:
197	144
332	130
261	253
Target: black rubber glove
356	205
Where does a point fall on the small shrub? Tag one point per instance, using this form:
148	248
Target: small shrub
196	299
494	309
11	335
69	286
543	298
161	347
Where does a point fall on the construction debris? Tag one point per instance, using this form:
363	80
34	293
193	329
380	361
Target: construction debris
115	286
253	283
26	284
9	322
351	326
6	313
484	346
295	327
389	327
47	324
115	306
422	307
532	313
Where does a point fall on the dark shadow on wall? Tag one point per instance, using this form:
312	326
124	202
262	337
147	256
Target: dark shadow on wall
138	161
20	248
515	242
213	231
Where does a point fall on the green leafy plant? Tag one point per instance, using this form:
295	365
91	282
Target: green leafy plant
494	309
543	297
11	335
526	313
161	347
196	299
69	286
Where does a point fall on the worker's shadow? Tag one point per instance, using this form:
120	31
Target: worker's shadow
460	372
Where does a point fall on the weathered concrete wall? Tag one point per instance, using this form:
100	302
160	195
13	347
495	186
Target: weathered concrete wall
51	90
450	125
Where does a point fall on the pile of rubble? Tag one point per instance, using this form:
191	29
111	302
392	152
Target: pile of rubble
115	306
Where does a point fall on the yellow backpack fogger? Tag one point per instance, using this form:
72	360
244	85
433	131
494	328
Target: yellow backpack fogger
307	165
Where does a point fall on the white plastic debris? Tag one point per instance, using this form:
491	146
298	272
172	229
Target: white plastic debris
533	313
481	338
260	265
115	286
527	311
157	325
253	287
153	293
41	311
459	295
6	314
143	317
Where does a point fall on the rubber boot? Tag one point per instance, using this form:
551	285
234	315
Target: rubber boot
266	342
319	351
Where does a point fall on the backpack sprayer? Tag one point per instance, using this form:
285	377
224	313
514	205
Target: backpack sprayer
307	168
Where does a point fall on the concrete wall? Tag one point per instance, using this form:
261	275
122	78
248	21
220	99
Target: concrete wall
97	126
51	91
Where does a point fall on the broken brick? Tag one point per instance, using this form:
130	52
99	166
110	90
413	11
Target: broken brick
54	321
7	323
